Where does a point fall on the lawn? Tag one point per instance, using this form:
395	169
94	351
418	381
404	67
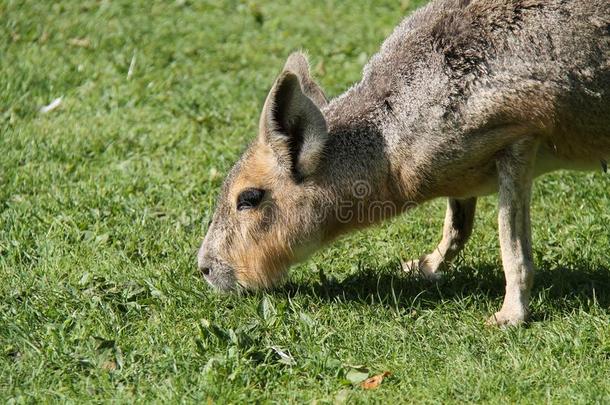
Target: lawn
105	199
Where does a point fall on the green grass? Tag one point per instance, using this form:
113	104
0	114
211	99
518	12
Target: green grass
103	204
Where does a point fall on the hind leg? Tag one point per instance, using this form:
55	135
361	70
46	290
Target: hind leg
459	220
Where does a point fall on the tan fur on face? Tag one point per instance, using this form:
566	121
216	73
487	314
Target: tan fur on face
259	243
261	258
261	264
259	170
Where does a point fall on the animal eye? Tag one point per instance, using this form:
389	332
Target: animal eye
249	198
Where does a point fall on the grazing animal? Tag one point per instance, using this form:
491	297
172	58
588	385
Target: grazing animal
465	98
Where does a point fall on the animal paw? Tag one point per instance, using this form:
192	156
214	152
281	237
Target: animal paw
507	318
423	268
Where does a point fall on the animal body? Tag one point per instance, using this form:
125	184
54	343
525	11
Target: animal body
464	99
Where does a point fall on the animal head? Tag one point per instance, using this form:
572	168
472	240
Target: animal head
268	213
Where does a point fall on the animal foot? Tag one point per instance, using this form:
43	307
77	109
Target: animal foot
423	268
507	318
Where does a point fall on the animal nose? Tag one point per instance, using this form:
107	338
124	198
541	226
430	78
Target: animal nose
205	270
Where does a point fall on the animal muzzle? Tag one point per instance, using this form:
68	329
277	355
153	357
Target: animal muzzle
217	273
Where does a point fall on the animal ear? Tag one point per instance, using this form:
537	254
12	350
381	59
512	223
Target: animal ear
292	123
297	62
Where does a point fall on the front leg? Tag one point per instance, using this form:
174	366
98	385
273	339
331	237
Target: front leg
515	175
459	220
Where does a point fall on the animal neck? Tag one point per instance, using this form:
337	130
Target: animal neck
359	180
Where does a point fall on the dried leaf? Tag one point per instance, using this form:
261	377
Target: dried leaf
374	382
109	365
80	42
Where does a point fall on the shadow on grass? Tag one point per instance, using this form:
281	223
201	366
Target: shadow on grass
560	289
